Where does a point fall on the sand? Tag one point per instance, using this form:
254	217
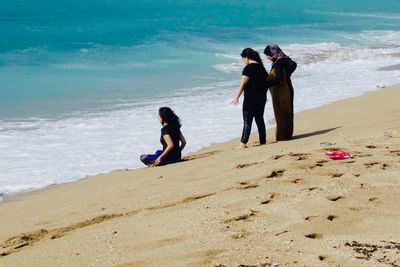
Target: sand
281	204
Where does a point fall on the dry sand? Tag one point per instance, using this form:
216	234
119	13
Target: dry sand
281	204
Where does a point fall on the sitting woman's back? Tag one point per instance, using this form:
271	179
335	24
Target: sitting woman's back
171	139
171	129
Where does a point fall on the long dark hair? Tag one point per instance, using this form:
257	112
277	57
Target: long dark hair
169	117
251	54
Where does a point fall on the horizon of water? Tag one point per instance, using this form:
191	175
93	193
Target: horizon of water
80	83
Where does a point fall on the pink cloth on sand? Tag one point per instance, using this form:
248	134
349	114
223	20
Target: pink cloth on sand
338	154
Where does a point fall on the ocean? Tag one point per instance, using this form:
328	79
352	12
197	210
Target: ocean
81	81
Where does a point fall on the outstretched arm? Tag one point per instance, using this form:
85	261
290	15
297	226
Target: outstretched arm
243	83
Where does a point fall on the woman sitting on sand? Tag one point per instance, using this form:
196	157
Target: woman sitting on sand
171	139
281	90
253	84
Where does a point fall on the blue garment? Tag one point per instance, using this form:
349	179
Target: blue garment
150	158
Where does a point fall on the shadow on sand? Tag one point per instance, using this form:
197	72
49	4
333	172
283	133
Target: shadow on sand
300	136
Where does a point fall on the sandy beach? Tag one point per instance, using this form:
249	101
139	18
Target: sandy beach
281	204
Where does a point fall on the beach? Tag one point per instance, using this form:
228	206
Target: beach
81	82
280	204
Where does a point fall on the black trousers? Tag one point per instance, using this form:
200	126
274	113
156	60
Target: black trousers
258	114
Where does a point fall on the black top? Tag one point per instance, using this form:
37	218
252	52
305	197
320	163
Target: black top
255	92
175	154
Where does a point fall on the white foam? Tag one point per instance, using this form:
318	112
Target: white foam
229	68
358	15
375	39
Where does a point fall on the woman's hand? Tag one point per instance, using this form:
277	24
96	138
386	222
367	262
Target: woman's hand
158	160
167	150
235	101
243	83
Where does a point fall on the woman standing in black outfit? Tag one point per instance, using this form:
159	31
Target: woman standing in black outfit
253	84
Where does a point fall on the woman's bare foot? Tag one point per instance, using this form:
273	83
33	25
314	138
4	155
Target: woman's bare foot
240	146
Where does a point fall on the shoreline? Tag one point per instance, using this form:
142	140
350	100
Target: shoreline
283	203
9	197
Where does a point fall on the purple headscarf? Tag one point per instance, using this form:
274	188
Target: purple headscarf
274	51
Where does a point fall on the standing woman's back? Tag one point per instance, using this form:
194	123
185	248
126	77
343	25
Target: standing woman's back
252	84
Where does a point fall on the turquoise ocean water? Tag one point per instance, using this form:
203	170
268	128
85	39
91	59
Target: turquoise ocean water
81	81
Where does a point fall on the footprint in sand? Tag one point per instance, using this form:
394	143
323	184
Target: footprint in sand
281	233
356	208
299	156
275	157
348	161
242	234
382	253
331	217
246	185
314	236
269	199
385	166
370	147
296	181
336	175
276	173
364	186
334	198
201	155
243	217
313	188
361	154
246	165
310	218
370	164
395	152
322	258
196	197
319	163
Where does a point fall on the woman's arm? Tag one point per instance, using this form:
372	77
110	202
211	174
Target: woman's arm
275	76
183	141
239	91
170	146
